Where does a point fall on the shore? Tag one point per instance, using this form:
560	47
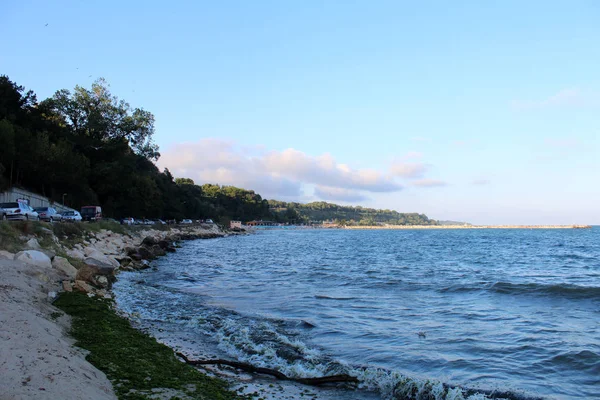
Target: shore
39	357
409	227
54	286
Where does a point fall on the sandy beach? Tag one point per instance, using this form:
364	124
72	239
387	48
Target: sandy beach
39	360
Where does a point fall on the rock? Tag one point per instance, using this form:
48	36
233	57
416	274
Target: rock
149	241
130	250
145	253
33	244
136	257
124	260
76	254
100	266
82	287
157	251
91	252
51	254
164	244
67	286
6	255
102	281
63	265
34	257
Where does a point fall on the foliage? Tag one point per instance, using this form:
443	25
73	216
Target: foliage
98	150
344	215
134	362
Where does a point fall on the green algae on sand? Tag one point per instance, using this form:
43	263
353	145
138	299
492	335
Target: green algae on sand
136	364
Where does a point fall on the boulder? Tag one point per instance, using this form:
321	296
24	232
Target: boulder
6	255
102	281
91	252
100	266
157	251
124	260
51	254
145	253
82	287
149	241
34	257
164	244
76	254
33	244
63	265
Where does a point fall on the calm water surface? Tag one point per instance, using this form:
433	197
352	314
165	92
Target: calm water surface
514	311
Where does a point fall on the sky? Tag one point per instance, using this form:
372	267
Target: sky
486	112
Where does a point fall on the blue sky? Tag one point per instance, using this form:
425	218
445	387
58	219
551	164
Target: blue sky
471	111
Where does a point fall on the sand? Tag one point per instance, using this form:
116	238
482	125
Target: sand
37	358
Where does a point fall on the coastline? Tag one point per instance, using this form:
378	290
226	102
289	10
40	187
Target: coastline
410	227
46	362
39	288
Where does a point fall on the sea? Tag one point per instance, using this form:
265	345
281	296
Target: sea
413	314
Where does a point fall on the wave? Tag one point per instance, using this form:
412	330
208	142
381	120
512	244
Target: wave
558	290
264	344
325	297
562	290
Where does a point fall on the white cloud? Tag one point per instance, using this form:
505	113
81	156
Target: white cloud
428	183
570	97
411	170
481	182
273	174
337	194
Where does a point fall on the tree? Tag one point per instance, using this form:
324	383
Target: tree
184	181
102	117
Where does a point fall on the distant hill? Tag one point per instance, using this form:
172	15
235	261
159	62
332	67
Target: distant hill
322	211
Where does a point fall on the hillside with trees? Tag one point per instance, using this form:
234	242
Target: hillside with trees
345	215
98	150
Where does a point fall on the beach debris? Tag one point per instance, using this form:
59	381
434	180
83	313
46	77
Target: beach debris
342	378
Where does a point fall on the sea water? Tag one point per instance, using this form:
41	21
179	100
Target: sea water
411	313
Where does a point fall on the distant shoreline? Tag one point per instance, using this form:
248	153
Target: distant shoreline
472	227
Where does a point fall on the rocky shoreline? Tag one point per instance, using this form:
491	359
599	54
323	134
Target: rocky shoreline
38	357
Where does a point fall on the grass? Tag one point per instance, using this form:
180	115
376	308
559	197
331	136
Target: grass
9	237
134	362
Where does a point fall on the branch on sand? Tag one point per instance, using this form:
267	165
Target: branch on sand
343	378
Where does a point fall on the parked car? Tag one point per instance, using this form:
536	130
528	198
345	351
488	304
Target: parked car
71	216
48	214
18	211
209	221
148	222
186	221
91	213
127	221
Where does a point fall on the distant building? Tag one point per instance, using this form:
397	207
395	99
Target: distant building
235	224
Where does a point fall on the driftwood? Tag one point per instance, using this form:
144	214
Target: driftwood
268	371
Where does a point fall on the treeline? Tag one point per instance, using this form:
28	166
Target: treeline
98	150
345	215
91	148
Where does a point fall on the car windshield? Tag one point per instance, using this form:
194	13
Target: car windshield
41	209
88	211
9	205
68	213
